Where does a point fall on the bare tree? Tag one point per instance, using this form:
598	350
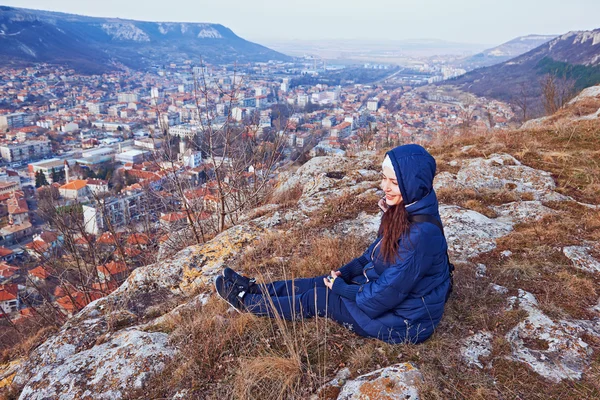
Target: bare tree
556	92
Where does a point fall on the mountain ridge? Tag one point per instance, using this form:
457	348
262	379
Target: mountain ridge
574	56
81	41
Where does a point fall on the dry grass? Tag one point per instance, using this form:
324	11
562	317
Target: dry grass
340	208
288	198
570	151
225	355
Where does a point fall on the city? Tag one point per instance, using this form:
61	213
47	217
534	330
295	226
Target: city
94	141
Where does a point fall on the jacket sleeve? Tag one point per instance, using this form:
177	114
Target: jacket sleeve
392	286
354	268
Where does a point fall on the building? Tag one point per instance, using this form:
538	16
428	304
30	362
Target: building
113	271
47	167
111	126
192	158
9	186
9	299
373	104
127	98
97	186
26	151
118	211
12	121
76	189
183	131
148	143
132	156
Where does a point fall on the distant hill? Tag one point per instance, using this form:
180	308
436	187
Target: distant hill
574	56
95	45
505	51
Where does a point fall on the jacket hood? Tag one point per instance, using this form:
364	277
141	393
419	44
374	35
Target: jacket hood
415	169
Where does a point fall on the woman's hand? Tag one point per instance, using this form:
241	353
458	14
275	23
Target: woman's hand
383	205
329	279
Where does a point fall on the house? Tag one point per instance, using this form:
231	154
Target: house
113	271
6	254
7	271
12	234
18	211
97	186
44	244
173	220
71	304
75	189
9	299
38	274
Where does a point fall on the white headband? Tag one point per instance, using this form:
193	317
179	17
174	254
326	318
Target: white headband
387	163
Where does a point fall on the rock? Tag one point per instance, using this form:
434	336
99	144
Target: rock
478	345
480	271
535	123
506	253
365	225
332	388
581	259
498	289
8	372
470	233
503	171
395	382
592	91
312	176
445	180
522	211
552	349
124	362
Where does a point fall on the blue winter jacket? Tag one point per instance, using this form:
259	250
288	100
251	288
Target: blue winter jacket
402	301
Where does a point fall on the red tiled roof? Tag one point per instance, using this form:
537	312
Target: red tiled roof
6	271
7	296
173	217
5	252
138	238
107	238
113	268
39	272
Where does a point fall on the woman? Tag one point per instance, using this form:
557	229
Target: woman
395	291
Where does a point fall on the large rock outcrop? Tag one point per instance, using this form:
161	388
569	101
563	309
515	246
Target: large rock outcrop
108	348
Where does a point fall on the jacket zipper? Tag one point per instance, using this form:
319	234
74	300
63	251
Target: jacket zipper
372	265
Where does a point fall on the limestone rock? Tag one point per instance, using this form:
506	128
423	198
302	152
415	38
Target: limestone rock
125	361
394	382
501	172
581	258
522	211
365	225
470	233
332	388
478	345
445	180
553	349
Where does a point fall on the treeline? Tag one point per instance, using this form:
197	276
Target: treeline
340	77
582	75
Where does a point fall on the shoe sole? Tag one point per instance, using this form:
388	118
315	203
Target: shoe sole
226	301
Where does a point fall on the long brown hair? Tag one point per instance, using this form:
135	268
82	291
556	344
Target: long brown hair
394	224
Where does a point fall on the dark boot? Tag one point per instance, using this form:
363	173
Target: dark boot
231	293
242	282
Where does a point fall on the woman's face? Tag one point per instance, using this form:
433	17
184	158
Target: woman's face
389	185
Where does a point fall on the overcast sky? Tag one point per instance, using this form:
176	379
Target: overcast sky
469	21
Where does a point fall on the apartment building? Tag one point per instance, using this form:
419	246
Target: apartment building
29	150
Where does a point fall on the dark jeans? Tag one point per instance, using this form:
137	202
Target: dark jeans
301	298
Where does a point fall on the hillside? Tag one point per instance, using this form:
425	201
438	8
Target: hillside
574	56
523	226
505	51
93	45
